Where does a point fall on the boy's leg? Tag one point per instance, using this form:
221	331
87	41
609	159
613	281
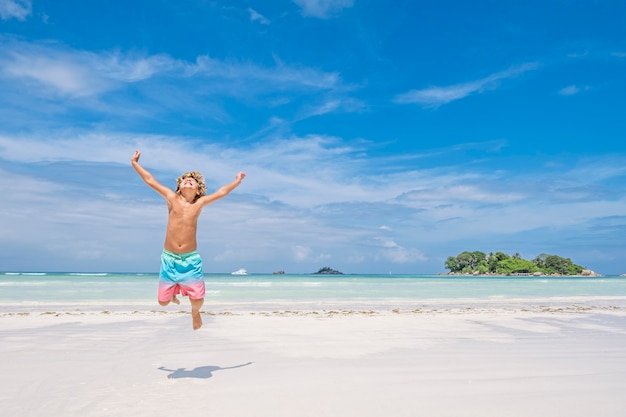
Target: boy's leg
167	293
174	300
195	312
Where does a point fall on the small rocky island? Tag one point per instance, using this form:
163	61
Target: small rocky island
328	271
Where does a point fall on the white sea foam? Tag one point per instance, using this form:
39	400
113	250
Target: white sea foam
250	284
81	274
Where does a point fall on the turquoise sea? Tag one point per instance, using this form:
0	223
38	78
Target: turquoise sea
131	291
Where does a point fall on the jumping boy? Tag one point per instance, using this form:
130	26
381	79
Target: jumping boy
181	264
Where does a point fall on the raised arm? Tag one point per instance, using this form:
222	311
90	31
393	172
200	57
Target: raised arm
148	178
223	191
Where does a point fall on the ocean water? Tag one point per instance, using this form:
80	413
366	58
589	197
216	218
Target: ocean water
37	291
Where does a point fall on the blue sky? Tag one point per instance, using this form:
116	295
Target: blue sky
377	136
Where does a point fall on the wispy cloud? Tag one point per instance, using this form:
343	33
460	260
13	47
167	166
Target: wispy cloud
68	72
397	254
50	78
258	17
281	76
18	9
573	90
437	96
323	9
65	71
324	169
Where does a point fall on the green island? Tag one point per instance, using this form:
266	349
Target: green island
328	271
499	263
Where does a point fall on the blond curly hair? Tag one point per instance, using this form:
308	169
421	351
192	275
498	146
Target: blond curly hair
196	176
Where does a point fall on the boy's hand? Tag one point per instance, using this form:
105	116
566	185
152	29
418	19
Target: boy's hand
136	156
241	176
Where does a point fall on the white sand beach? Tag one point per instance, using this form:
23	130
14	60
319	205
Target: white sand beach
315	363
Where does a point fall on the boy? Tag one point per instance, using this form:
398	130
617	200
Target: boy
181	265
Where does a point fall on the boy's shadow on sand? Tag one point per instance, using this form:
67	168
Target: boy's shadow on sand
204	372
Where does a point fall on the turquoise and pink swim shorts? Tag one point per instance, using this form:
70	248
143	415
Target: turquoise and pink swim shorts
181	273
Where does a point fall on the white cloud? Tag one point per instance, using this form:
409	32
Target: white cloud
400	255
572	90
277	167
250	74
61	76
76	73
258	17
18	9
84	148
306	202
437	96
129	68
323	8
445	194
301	253
580	54
68	72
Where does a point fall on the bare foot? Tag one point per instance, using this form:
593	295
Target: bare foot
197	319
175	300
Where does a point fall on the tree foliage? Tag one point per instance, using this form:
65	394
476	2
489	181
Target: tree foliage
500	263
465	261
556	265
328	271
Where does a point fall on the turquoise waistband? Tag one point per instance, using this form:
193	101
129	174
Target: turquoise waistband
181	256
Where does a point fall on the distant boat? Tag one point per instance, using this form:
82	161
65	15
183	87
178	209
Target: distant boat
240	271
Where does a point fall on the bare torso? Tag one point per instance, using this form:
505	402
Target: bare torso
182	223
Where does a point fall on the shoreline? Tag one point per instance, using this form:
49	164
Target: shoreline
380	305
